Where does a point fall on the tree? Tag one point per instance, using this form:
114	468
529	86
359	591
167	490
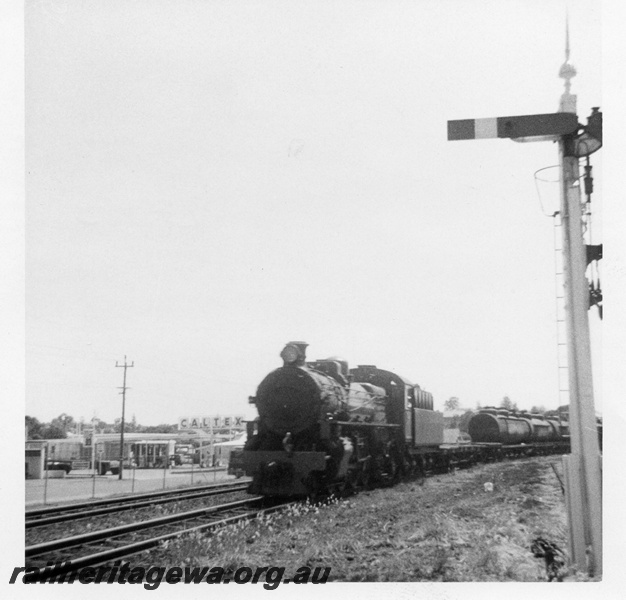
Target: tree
63	422
163	428
34	428
451	403
508	404
99	425
465	419
538	409
131	426
52	432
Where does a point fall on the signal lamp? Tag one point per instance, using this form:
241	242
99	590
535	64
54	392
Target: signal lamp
590	140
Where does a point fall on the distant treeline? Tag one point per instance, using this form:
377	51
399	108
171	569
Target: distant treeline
64	424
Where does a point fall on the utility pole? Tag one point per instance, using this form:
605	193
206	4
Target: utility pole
123	392
582	468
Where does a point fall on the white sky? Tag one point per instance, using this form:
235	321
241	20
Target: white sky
209	180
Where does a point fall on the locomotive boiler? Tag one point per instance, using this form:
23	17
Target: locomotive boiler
324	427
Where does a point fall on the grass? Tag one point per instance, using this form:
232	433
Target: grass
449	528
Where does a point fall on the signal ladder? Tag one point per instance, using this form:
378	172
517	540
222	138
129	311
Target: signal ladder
561	326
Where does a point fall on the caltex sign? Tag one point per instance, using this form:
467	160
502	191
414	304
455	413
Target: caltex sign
211	422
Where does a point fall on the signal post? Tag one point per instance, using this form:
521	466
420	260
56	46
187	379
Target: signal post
583	466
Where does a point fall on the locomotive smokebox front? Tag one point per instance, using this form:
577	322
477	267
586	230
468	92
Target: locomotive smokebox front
288	400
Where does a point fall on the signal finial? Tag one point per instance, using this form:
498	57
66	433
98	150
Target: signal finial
567	72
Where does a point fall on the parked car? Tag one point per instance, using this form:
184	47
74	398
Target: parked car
108	465
235	465
58	465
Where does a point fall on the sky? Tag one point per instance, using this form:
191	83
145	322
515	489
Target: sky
206	181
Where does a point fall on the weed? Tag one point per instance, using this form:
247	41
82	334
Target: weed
447	530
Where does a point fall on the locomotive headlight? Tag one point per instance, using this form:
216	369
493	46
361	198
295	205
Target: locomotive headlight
290	354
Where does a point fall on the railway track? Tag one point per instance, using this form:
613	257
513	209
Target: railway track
101	547
69	512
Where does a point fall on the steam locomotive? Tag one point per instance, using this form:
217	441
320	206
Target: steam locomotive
323	427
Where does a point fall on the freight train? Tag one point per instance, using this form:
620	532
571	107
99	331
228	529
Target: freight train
323	428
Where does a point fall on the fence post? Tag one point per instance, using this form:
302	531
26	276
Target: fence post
45	469
96	466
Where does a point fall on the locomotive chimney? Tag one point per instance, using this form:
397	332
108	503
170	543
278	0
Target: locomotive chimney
294	353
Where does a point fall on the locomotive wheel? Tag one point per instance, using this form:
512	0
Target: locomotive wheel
316	488
446	464
408	468
416	469
365	479
366	476
389	477
337	490
395	469
351	482
420	470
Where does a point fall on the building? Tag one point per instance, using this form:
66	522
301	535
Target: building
223	450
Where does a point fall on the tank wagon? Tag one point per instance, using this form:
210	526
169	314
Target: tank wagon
515	431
